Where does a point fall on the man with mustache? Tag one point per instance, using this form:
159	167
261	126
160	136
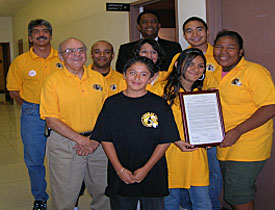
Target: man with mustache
25	79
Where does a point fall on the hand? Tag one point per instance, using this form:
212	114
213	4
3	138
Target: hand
184	146
140	174
230	138
126	176
86	146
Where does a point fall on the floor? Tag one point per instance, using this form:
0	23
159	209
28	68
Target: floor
14	182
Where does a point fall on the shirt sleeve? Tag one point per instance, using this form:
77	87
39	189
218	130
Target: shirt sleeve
49	100
14	77
168	127
102	127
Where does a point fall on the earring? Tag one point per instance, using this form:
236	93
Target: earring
201	78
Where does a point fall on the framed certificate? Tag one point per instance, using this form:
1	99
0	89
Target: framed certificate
202	117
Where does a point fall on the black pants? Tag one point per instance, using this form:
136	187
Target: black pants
130	203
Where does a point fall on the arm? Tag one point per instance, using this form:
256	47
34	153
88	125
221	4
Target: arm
84	144
141	173
261	116
124	174
16	96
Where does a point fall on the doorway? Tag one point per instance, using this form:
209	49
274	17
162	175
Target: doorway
4	67
254	21
166	11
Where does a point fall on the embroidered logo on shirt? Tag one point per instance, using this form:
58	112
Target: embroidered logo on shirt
149	120
59	65
236	82
113	87
97	87
32	73
210	67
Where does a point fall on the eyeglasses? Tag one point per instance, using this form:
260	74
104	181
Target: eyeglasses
71	51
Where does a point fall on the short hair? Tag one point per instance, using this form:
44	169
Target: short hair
140	59
39	22
194	18
70	38
147	12
184	60
155	45
112	49
233	34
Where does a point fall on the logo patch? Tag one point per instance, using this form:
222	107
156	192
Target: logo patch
210	67
150	119
236	82
32	73
59	65
97	87
113	87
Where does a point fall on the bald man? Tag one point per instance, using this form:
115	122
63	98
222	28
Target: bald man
102	54
70	103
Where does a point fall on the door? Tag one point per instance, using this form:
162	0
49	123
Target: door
2	75
254	20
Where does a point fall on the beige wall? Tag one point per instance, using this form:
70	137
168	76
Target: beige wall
84	19
88	20
6	31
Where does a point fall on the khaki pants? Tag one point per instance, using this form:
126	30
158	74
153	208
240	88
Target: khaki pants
67	171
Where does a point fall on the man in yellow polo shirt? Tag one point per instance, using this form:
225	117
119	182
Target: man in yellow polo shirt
70	102
102	54
25	79
195	31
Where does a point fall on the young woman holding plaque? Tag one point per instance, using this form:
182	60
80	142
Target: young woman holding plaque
187	172
248	101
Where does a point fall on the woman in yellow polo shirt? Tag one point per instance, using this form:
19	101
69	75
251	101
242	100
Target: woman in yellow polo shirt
248	101
187	171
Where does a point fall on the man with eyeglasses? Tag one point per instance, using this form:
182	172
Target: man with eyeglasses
25	78
71	101
102	54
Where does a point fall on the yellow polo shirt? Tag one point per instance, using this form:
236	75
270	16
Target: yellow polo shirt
185	169
76	102
28	72
163	76
243	90
112	80
211	64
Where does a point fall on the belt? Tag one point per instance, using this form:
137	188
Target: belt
88	133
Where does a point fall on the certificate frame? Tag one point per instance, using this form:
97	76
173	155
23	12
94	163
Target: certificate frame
203	137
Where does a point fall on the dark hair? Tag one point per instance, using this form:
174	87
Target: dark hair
232	34
140	59
194	19
184	60
39	22
147	12
155	46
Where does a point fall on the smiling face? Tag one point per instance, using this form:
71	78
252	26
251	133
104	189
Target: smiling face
102	55
149	26
40	36
73	55
196	34
137	76
227	52
195	70
146	50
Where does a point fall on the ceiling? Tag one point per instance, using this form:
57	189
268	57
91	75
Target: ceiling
11	7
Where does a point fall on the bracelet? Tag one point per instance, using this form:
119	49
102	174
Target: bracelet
121	171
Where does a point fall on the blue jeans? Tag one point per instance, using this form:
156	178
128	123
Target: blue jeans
34	141
130	203
199	198
215	178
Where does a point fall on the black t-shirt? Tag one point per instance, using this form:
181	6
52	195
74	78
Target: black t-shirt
136	126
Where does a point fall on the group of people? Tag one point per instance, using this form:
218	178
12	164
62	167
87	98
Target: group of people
121	132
